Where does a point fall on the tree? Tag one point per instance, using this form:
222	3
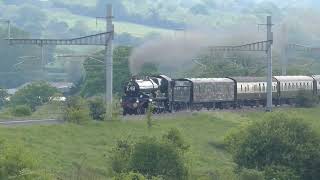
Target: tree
94	83
278	141
9	56
33	95
3	97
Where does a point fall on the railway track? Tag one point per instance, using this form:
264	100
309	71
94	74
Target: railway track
30	122
188	113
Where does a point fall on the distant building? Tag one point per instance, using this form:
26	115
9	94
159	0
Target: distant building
63	87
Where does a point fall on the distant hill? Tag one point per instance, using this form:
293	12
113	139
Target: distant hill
65	18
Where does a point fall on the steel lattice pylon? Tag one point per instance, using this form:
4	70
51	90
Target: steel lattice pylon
256	46
96	40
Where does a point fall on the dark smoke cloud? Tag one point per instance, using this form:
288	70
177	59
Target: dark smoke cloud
177	52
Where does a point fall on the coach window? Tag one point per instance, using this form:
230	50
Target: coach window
259	87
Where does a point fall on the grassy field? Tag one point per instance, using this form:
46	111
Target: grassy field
62	148
135	30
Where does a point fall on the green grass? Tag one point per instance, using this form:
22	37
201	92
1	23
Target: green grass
60	148
135	30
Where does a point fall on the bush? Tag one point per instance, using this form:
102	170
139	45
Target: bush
174	136
77	110
97	109
280	172
134	176
130	176
251	174
33	95
116	108
151	158
121	155
278	140
154	158
306	99
21	111
16	163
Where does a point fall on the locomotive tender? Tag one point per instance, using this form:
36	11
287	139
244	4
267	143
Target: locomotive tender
167	95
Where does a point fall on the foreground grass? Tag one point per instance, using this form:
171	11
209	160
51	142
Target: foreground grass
64	148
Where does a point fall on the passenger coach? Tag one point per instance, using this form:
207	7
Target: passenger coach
290	86
252	91
197	93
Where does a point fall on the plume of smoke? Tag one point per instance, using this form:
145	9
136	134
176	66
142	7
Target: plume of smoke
179	52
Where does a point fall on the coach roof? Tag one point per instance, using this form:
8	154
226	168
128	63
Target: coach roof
249	79
207	80
293	78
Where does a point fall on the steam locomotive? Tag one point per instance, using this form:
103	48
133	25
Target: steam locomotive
141	93
166	95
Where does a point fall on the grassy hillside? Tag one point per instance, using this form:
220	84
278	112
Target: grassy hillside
136	30
63	148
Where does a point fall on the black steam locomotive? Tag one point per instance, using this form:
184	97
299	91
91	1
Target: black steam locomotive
167	95
141	93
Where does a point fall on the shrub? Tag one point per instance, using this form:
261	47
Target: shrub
121	155
280	172
174	136
130	176
221	174
77	110
280	141
116	108
33	95
21	110
251	174
134	176
149	116
18	164
97	109
305	99
153	158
